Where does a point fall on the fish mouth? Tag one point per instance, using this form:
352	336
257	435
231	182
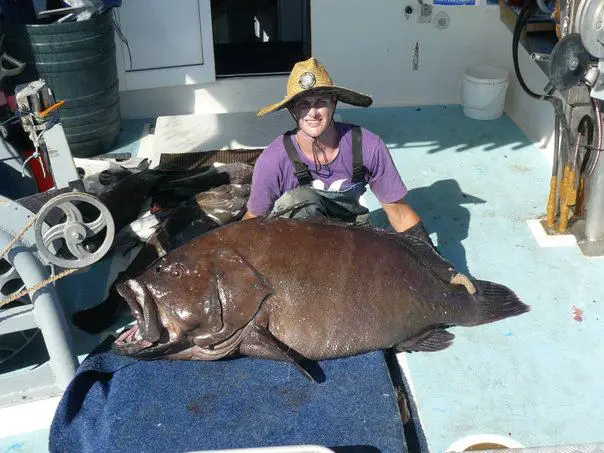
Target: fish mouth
130	342
146	332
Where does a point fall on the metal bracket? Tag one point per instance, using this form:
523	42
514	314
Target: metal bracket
40	119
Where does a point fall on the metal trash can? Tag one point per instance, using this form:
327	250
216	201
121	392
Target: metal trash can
77	59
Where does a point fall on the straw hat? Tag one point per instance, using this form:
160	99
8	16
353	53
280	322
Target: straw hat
311	77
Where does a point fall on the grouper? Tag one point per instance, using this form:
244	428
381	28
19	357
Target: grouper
301	291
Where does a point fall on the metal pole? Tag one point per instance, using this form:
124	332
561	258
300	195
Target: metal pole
594	219
48	313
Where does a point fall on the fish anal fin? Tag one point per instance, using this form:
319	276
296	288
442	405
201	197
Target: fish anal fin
262	344
429	341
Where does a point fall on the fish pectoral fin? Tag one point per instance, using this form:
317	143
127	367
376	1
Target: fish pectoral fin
430	341
240	288
263	344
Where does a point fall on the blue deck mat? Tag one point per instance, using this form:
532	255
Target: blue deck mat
118	404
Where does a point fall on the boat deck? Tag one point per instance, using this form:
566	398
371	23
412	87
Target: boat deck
478	186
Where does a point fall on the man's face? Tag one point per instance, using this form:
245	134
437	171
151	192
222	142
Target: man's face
313	113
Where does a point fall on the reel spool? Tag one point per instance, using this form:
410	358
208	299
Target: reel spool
569	62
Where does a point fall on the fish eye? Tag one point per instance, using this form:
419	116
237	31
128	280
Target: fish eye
177	271
157	270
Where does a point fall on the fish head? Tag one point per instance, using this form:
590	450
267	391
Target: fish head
169	300
187	299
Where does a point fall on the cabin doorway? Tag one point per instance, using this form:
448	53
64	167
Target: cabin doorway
256	37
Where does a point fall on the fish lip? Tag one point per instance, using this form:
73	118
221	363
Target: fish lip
143	308
148	351
127	344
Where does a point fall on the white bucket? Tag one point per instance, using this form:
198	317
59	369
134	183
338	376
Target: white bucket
480	442
484	89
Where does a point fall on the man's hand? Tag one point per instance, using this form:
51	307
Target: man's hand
248	215
461	279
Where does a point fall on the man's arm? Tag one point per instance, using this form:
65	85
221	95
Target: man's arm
401	215
403	218
265	187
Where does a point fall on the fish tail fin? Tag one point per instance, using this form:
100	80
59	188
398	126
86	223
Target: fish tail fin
494	303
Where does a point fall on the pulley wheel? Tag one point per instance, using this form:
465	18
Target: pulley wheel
83	238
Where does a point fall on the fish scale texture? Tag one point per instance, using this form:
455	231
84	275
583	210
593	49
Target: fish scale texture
116	403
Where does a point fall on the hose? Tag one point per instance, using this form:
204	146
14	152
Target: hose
585	129
598	118
525	14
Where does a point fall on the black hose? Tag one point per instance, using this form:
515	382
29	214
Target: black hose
525	14
585	130
565	138
598	119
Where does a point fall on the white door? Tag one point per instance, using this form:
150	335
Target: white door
168	43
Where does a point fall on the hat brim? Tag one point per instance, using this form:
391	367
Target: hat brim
343	94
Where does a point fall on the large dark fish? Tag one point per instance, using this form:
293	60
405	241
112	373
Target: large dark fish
300	290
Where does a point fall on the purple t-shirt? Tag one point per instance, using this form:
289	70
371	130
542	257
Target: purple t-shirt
274	172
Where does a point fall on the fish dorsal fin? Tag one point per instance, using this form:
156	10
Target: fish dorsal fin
240	288
426	255
419	248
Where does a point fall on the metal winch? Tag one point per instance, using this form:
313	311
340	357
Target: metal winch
576	71
44	237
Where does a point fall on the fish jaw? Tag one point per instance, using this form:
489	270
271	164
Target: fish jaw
147	339
147	331
130	342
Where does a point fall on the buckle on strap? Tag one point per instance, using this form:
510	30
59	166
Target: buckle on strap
358	174
304	177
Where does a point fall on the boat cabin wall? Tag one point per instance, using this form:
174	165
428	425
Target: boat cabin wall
373	47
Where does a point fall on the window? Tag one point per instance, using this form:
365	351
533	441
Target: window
259	36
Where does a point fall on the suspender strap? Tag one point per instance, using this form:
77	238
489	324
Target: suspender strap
358	171
301	169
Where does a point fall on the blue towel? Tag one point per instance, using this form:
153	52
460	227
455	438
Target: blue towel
119	404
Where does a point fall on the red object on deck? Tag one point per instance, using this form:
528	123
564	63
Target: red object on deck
44	179
12	102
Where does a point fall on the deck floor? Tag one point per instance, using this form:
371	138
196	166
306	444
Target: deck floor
534	378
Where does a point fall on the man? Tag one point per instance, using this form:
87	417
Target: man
314	171
322	167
